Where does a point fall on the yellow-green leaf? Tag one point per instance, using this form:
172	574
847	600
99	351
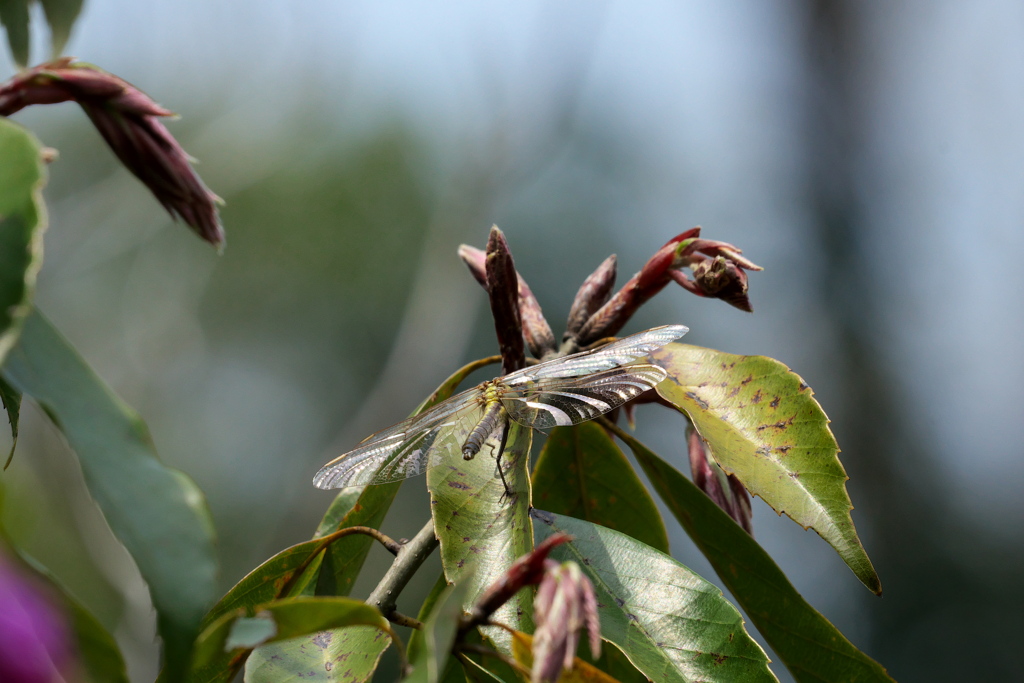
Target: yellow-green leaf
22	221
481	529
763	425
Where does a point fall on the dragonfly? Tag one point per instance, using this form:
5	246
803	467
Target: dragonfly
556	393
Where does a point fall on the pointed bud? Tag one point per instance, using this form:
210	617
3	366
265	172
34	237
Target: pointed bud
536	330
128	121
539	336
651	279
592	295
503	290
565	606
725	489
476	261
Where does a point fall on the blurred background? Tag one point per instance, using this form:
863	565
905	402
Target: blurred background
867	154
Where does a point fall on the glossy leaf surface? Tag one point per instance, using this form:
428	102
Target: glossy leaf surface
156	512
808	644
363	506
289	573
616	664
763	425
672	625
281	620
581	473
481	530
346	655
22	221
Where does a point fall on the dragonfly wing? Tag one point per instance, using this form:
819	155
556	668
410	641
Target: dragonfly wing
408	448
563	401
621	352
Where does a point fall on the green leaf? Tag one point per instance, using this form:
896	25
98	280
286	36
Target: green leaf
288	573
581	473
485	660
22	222
11	399
616	664
274	579
673	625
344	558
61	16
14	17
430	659
481	529
98	652
348	655
283	620
763	425
156	512
808	644
476	673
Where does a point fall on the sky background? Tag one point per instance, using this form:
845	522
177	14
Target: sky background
867	155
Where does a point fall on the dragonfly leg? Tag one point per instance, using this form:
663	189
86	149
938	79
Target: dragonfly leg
501	451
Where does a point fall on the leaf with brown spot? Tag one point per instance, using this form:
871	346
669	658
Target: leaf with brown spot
481	529
783	452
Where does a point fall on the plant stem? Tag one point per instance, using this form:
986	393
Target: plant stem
409	558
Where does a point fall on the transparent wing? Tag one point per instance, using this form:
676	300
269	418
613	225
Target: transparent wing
562	401
408	448
621	352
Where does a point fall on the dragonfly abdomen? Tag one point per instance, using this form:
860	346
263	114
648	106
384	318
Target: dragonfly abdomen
493	419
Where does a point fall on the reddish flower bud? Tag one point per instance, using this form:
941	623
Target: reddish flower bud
128	120
535	327
593	294
651	279
565	605
725	489
528	570
503	290
718	269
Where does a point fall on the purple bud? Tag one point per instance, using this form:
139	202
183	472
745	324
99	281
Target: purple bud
725	489
35	645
